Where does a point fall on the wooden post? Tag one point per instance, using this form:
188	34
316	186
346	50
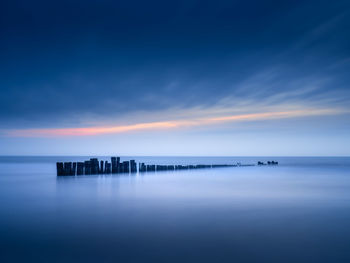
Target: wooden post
94	165
118	165
142	167
125	166
133	167
121	167
114	165
108	169
60	170
74	168
101	167
67	168
80	168
87	167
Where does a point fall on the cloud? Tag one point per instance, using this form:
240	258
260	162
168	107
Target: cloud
172	124
230	56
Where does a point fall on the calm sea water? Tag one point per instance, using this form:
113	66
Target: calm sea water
298	211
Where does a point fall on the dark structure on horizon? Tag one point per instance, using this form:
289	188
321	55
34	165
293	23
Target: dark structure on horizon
94	167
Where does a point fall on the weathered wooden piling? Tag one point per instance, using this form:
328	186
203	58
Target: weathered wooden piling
60	171
161	167
67	167
133	167
118	165
114	165
125	166
101	167
120	168
87	167
220	165
94	166
80	168
181	167
108	169
142	167
74	169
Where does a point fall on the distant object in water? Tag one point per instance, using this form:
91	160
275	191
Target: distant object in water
268	163
93	167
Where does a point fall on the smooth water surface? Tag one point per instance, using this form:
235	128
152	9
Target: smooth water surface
298	211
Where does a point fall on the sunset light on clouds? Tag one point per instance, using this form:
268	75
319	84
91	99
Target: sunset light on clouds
181	77
166	125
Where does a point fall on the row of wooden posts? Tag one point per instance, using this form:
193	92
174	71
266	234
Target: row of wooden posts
268	163
93	166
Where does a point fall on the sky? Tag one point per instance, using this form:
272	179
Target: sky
223	78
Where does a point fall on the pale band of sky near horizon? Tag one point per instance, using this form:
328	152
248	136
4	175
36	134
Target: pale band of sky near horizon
172	124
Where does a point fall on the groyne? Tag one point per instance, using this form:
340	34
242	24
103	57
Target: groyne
115	166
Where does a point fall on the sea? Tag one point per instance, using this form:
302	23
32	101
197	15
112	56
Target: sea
297	211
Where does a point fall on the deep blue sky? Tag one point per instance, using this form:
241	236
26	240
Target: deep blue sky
77	64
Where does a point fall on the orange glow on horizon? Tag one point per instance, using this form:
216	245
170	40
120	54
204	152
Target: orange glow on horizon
91	131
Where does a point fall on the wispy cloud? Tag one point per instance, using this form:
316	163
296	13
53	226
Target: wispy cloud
166	125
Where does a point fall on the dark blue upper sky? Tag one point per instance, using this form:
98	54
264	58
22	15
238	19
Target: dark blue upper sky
78	63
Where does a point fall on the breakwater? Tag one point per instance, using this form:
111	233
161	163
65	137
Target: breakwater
116	166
